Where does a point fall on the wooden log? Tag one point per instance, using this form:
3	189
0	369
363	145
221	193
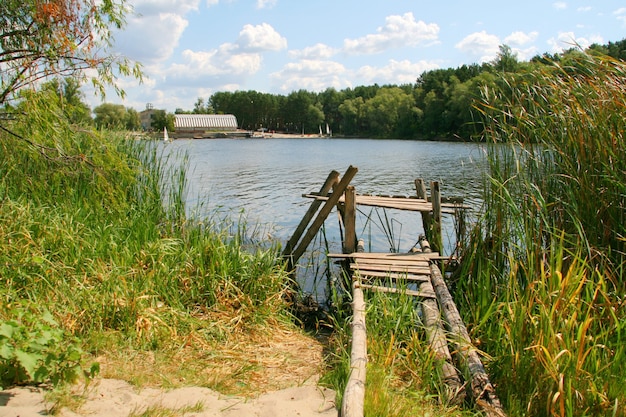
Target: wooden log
352	404
482	390
455	389
323	214
332	179
349	220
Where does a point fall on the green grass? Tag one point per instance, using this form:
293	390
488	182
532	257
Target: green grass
544	287
93	229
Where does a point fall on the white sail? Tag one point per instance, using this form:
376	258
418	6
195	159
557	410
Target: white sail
166	137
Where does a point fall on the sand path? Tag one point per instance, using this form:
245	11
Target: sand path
111	398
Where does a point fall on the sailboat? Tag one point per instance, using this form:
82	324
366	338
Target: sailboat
166	137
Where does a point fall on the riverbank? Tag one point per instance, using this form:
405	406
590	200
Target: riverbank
113	397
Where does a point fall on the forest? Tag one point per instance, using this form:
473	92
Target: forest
440	105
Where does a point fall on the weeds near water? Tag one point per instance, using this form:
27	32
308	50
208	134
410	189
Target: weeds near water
101	239
544	287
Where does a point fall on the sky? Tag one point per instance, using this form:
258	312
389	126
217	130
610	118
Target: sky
190	49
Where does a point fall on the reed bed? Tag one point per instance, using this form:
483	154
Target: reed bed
94	235
545	287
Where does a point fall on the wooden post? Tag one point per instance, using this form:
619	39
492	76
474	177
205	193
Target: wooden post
482	390
323	214
349	220
332	179
435	196
353	401
420	190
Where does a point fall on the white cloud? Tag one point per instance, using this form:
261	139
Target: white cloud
200	64
155	7
151	38
398	31
568	40
560	5
262	4
620	14
396	72
584	9
520	38
480	45
313	75
317	51
517	41
260	38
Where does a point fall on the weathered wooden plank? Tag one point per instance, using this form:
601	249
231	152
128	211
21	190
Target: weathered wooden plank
408	205
352	404
416	269
417	256
394	262
394	290
395	276
383	266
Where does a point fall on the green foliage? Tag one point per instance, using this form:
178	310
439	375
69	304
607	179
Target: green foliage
34	349
116	117
93	228
62	38
441	104
544	287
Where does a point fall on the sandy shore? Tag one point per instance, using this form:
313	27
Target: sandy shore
112	398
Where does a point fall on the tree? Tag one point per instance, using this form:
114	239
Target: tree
70	99
110	116
161	119
39	39
506	61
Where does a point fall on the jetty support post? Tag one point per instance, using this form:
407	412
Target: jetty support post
349	220
435	195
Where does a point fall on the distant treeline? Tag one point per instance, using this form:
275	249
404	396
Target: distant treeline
441	103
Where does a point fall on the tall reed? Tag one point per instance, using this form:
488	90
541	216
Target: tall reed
94	229
544	288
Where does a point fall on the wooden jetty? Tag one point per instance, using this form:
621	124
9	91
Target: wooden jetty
419	271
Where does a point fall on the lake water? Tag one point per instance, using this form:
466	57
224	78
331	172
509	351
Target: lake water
265	179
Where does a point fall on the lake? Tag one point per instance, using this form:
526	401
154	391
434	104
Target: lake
265	180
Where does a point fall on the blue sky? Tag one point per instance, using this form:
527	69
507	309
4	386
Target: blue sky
194	48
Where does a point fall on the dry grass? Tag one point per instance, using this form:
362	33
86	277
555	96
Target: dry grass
247	360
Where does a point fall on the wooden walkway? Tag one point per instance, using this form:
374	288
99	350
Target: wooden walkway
419	274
